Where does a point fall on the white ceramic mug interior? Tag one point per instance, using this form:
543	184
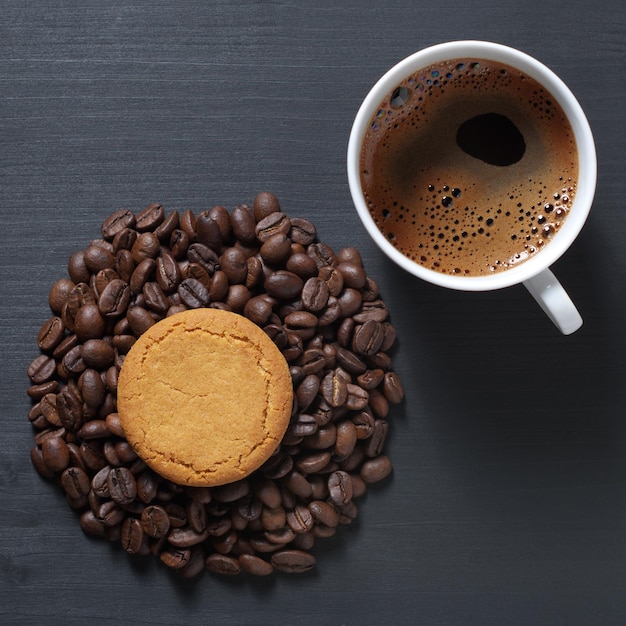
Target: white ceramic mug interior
540	262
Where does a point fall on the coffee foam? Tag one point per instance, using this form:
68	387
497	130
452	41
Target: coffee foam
453	212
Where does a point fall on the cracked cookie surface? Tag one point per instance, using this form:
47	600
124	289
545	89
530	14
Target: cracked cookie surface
204	397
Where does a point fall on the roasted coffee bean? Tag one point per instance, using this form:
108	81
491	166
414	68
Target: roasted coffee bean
346	439
36	392
142	273
293	561
124	240
283	284
179	243
92	388
223	564
302	231
275	249
307	391
334	389
204	256
76	267
41	369
117	221
368	337
339	488
97	353
50	334
353	275
193	293
265	203
132	535
94	429
370	379
150	217
97	258
350	301
258	310
298	485
92	455
378	404
147	486
350	361
357	397
89	323
302	264
375	310
165	229
333	279
197	516
75	482
255	565
392	388
267	492
139	320
376	442
155	298
70	411
314	463
272	224
58	294
168	274
303	323
232	491
300	519
324	513
114	299
315	294
73	363
122	485
376	469
175	558
322	254
55	454
364	424
145	247
208	231
243	224
236	298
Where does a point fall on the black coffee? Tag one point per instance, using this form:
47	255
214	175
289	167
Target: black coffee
469	167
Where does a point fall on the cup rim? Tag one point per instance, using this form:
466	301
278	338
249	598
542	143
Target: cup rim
587	175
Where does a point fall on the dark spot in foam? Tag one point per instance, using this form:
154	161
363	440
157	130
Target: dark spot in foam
492	138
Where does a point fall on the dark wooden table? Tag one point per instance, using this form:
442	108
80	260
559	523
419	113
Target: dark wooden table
508	500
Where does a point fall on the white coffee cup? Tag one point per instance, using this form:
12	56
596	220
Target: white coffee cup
534	273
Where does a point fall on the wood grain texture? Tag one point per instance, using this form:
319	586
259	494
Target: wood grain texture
507	502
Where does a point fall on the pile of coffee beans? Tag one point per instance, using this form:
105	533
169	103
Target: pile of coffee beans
319	307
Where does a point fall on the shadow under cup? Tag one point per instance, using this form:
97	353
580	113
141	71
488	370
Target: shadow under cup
539	262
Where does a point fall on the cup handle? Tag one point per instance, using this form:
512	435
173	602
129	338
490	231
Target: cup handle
553	299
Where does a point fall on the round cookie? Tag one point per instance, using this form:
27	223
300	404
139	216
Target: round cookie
204	397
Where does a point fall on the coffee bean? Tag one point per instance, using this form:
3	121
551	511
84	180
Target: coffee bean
273	224
275	249
165	229
132	535
55	453
89	323
73	363
186	537
193	293
324	513
97	353
346	439
334	389
258	310
293	561
122	485
75	482
69	408
376	469
339	488
300	519
370	379
92	388
97	258
302	231
59	293
265	203
315	294
150	217
176	558
392	388
357	397
50	334
117	221
223	564
142	273
255	565
307	392
168	273
353	275
243	224
145	247
302	264
155	298
368	337
322	254
139	320
179	243
283	284
114	299
376	442
41	369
